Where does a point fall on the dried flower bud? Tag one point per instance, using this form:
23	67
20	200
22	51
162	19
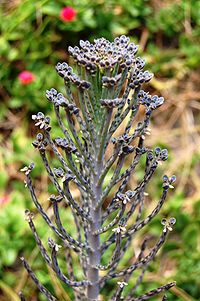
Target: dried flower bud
57	98
39	137
51	243
157	151
104	54
164	154
139	63
165	182
165	178
163	221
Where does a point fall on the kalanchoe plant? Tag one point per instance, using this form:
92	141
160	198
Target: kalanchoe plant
103	94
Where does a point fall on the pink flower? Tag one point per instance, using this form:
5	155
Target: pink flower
4	200
68	14
26	77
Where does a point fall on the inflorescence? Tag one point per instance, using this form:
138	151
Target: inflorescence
101	146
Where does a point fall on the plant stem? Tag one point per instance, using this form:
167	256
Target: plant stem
94	254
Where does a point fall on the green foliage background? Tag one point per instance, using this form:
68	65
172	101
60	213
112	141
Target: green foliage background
34	38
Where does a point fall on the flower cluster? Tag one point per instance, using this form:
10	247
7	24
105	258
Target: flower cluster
104	54
101	143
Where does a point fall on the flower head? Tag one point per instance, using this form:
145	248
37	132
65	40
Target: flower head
68	14
26	77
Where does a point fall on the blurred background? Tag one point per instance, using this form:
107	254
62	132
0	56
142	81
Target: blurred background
34	37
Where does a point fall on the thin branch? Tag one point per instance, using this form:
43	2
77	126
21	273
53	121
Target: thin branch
22	297
126	174
90	132
41	288
43	251
112	181
153	292
74	206
113	222
144	222
81	212
72	167
108	164
120	116
142	262
105	123
78	142
127	277
54	249
109	210
136	227
116	252
74	244
57	218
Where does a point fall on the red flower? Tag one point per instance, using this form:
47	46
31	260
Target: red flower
26	77
68	14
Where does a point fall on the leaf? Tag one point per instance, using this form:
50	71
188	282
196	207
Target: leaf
88	18
15	103
51	9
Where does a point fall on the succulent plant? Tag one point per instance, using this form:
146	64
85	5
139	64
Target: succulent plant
101	146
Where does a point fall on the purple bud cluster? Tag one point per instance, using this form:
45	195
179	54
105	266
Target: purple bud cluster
59	100
125	138
105	54
65	71
140	77
110	81
150	102
65	176
40	143
63	143
161	154
111	103
167	182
